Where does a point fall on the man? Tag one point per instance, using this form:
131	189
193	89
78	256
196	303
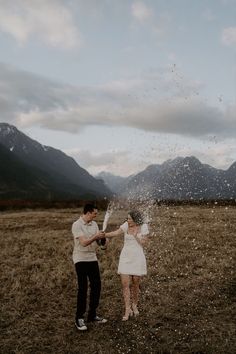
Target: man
85	231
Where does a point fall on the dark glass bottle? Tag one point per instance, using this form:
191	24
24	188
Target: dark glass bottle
103	241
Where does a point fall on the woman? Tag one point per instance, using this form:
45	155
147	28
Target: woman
132	262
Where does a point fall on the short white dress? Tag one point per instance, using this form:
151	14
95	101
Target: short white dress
132	259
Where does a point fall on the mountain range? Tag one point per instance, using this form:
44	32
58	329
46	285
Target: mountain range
183	178
32	171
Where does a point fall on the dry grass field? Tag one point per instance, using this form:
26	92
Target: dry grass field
187	299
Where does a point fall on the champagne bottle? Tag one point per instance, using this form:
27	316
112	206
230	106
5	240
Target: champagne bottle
103	243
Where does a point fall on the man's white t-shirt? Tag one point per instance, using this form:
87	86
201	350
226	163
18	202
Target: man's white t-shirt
81	253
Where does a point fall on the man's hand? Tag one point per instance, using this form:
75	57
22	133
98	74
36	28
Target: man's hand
100	235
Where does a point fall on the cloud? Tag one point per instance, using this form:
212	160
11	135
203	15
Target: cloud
162	26
161	101
225	2
158	24
50	21
140	11
218	154
228	37
208	15
116	162
215	153
88	159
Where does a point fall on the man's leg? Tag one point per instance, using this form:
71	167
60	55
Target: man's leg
81	271
95	289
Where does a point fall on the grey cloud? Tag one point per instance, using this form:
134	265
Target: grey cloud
160	102
116	162
140	11
190	117
228	36
50	21
88	159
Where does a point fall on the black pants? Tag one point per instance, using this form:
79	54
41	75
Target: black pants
88	271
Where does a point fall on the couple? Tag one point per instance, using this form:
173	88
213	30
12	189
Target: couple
132	263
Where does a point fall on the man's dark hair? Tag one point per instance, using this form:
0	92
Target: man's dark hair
89	208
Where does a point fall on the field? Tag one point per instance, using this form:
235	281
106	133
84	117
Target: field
187	302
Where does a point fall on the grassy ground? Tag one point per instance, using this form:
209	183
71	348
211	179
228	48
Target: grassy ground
187	299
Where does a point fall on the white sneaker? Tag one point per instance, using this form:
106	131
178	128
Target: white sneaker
99	319
80	325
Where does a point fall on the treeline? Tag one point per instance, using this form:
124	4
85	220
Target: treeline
103	203
220	202
42	204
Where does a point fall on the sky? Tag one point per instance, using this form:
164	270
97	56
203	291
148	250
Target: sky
122	84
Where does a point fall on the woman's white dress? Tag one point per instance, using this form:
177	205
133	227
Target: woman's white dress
132	259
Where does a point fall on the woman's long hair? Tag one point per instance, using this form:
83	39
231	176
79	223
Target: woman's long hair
137	217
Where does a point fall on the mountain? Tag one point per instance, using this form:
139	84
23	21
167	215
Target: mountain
50	174
18	180
30	170
230	176
114	183
183	178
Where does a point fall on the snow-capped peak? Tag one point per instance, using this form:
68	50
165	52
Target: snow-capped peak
7	129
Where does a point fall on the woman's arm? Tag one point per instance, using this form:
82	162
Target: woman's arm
142	236
142	239
111	234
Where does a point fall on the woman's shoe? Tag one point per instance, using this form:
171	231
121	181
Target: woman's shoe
128	313
135	310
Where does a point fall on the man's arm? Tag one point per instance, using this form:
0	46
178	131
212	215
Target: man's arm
84	241
77	232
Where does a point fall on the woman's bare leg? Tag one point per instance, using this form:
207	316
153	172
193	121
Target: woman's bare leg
125	281
135	293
